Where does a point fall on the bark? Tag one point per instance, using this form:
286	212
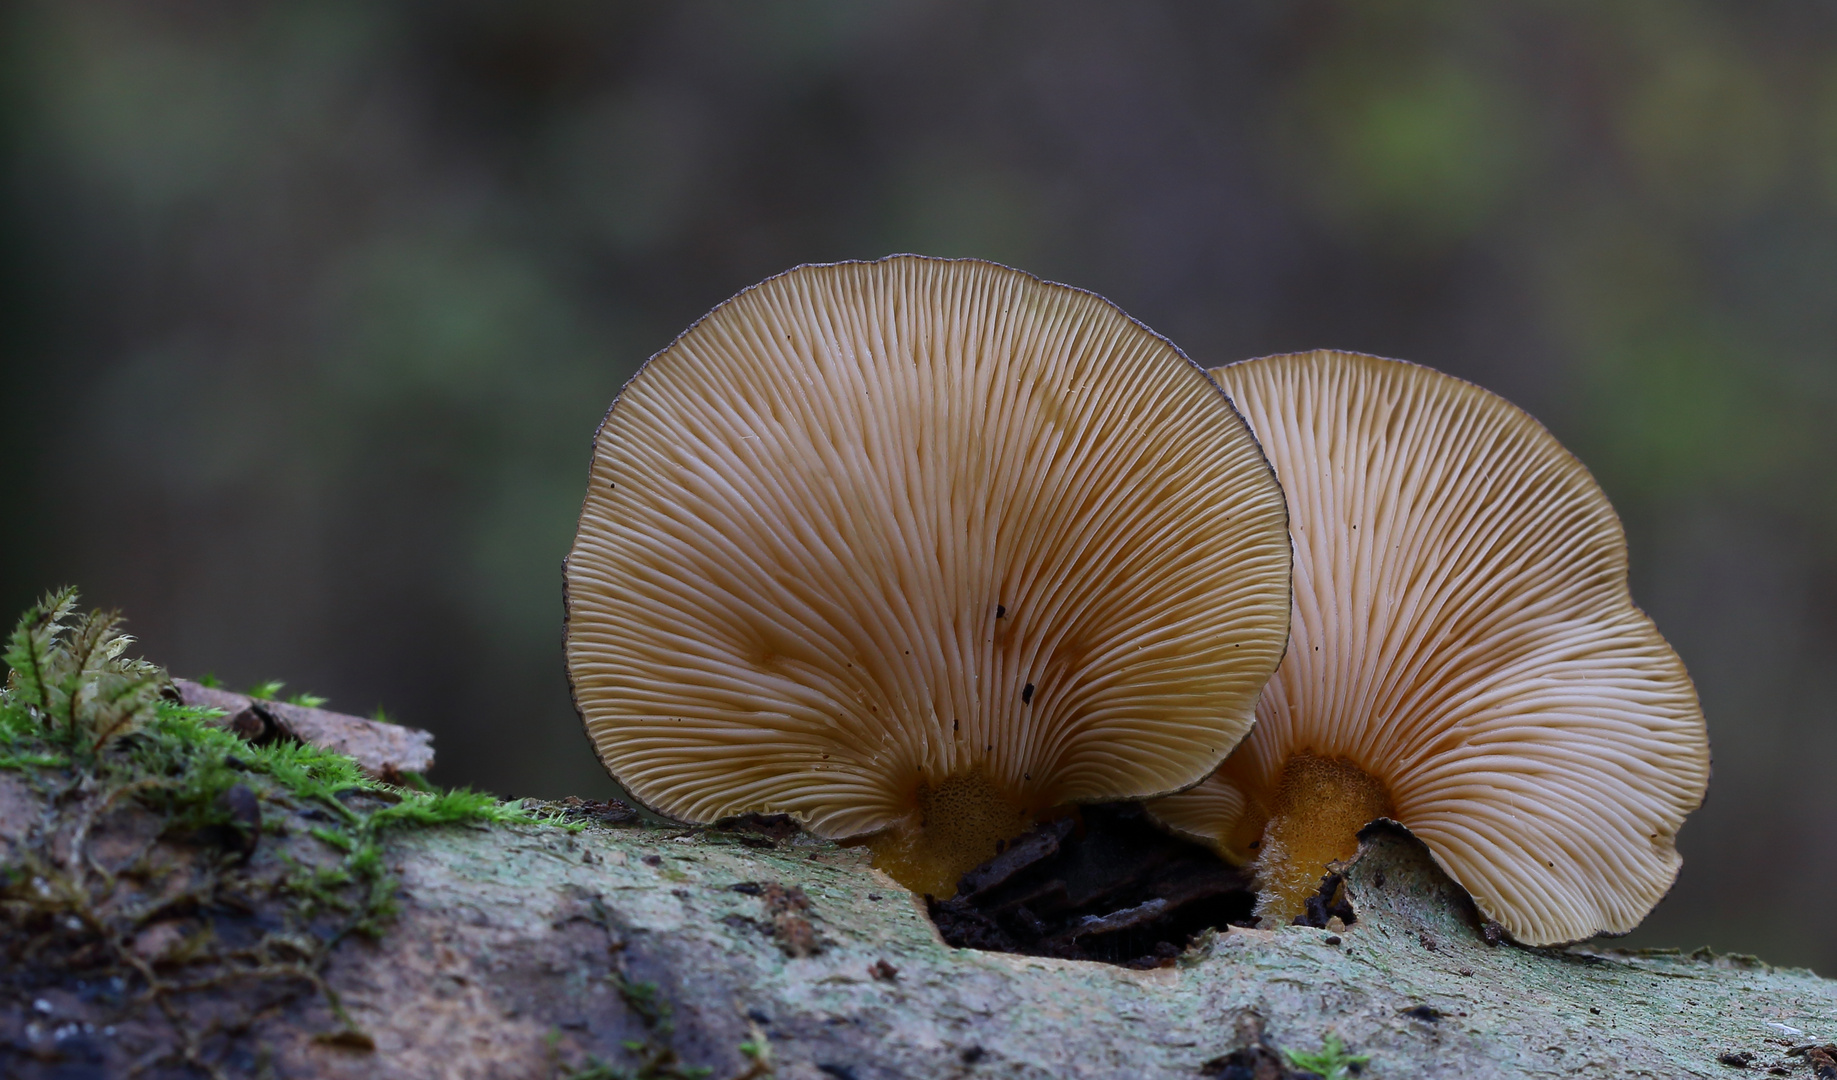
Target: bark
626	950
385	751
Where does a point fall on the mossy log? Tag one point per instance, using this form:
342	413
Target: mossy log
625	950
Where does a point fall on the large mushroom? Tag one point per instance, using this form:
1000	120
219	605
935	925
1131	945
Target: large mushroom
925	550
1466	659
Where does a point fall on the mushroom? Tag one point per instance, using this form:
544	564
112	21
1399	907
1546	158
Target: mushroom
1466	659
920	551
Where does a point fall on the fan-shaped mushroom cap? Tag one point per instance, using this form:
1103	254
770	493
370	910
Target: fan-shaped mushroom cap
923	548
1464	637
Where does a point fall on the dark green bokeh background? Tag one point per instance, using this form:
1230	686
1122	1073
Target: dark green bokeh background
310	309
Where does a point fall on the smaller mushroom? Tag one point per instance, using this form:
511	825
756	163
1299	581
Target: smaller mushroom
1465	659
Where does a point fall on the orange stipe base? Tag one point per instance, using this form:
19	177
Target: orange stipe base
1321	805
955	826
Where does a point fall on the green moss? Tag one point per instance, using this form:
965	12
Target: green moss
32	761
69	686
266	691
93	731
644	1000
1333	1062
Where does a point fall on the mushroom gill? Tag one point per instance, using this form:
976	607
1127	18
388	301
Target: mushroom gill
920	550
1465	658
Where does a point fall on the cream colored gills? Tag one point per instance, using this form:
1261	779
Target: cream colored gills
1465	657
922	549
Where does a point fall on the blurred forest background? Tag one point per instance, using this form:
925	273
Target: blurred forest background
308	310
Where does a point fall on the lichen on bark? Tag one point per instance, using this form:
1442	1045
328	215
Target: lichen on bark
530	950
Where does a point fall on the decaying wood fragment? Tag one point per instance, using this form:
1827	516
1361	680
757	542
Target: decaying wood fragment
384	750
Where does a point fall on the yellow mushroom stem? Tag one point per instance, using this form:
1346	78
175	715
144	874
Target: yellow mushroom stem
953	828
1321	804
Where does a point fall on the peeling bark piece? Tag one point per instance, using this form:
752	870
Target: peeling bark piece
1048	896
1042	843
385	751
1823	1061
1145	912
1192	884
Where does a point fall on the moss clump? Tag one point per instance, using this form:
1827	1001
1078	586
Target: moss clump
173	857
1333	1062
69	688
